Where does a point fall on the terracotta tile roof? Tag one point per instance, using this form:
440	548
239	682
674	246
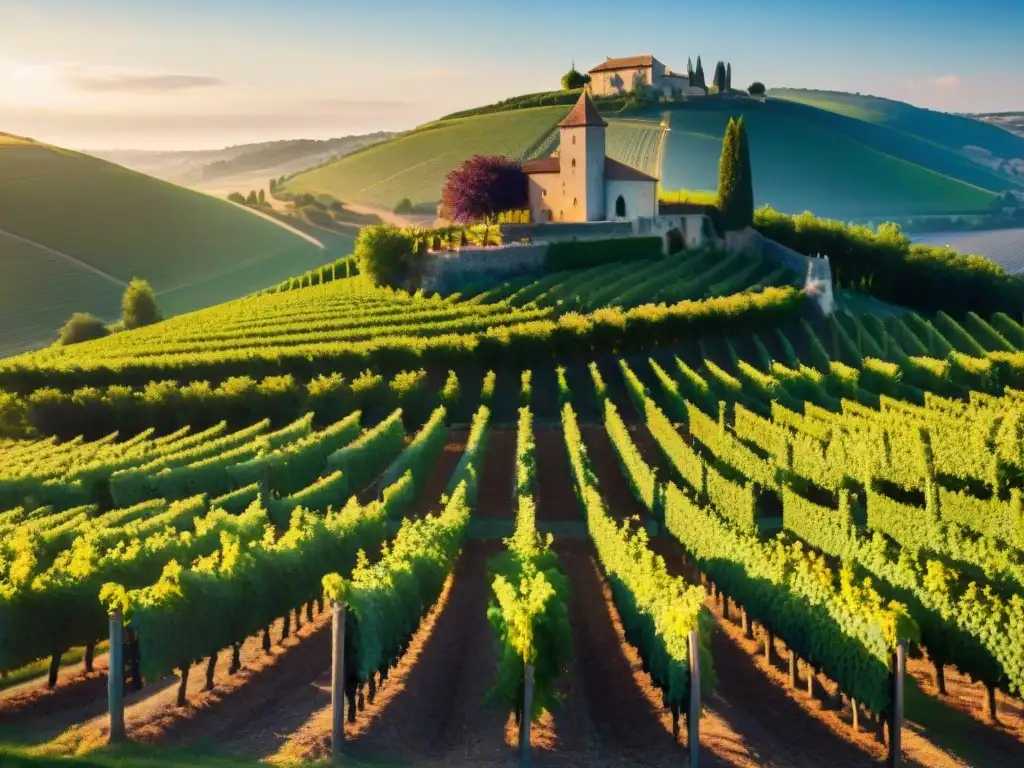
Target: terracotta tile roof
583	114
629	62
543	165
616	171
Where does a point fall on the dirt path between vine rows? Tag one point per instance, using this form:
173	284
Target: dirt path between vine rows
556	500
431	705
430	498
611	714
433	708
497	476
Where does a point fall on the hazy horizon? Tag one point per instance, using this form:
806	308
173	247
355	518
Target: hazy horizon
121	75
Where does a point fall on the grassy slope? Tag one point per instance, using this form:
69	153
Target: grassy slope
933	139
195	250
941	128
804	160
415	165
36	289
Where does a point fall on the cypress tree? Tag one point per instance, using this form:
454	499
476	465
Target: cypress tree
719	80
735	180
689	70
698	75
745	204
727	178
728	76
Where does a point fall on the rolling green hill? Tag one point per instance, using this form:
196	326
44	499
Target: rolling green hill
414	165
941	128
808	159
75	229
837	155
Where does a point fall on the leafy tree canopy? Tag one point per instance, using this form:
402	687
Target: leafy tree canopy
484	186
82	326
572	80
756	89
384	253
139	305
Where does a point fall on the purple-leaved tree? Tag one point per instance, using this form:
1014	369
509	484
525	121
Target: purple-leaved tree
482	187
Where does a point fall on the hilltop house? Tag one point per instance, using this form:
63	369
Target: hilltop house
615	76
581	183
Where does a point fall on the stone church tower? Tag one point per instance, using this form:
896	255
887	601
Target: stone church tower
582	161
580	182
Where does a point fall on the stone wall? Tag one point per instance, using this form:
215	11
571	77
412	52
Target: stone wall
696	228
557	233
816	269
447	271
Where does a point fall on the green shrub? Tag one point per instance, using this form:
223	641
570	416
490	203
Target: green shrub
579	254
384	254
82	326
139	305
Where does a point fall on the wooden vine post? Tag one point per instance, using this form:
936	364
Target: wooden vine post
693	714
337	679
115	678
896	721
526	757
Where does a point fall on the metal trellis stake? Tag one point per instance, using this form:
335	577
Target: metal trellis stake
693	716
337	680
896	724
524	722
115	678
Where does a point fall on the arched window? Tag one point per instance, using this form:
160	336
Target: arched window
574	138
620	207
575	201
574	162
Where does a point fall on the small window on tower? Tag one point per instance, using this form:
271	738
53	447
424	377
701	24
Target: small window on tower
574	162
575	201
574	139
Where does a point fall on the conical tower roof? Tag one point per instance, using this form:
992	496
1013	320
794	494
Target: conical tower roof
583	115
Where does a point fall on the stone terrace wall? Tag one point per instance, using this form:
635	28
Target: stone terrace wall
447	271
816	270
561	232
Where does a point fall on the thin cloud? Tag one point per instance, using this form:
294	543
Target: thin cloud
342	103
946	82
106	80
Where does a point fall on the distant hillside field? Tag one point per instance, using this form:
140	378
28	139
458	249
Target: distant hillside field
837	155
195	250
1003	246
959	146
415	165
803	160
1009	121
